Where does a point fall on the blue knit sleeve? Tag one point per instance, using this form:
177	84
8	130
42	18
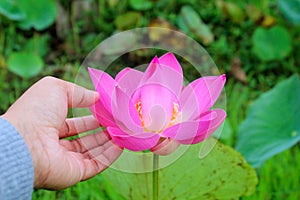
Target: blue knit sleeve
16	168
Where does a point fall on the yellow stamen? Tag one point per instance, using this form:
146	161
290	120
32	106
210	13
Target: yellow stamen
175	113
174	118
138	107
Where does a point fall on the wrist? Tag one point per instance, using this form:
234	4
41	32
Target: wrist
29	137
17	162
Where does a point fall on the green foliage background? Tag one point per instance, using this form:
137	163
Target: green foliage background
255	42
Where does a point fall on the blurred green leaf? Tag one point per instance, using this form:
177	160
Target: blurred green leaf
39	14
231	11
236	14
181	24
271	44
261	4
127	20
254	13
25	64
222	174
113	3
11	10
190	19
141	4
290	9
273	123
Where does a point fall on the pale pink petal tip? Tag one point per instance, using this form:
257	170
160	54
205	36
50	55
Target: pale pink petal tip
170	61
95	75
121	74
155	60
94	72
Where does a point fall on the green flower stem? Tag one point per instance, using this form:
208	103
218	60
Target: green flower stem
155	177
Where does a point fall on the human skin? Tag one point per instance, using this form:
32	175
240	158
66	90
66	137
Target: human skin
40	116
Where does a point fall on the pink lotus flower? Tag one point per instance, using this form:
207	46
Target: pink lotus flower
154	110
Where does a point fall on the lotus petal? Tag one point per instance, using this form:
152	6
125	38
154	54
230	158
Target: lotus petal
163	74
137	142
124	112
200	96
129	79
192	132
102	115
104	84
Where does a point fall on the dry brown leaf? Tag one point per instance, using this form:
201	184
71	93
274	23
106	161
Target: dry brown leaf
166	34
237	70
268	21
157	35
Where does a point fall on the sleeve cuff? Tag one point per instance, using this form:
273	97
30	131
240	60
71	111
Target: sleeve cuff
16	168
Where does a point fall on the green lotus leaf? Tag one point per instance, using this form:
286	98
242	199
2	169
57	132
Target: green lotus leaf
25	64
273	123
290	9
222	174
271	44
11	10
39	14
141	4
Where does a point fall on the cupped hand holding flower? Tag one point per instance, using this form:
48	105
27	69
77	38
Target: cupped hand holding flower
154	110
40	116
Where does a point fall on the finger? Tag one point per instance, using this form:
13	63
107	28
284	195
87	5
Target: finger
87	142
73	126
78	96
101	161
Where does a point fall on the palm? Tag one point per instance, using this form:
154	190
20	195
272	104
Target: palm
75	160
60	163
